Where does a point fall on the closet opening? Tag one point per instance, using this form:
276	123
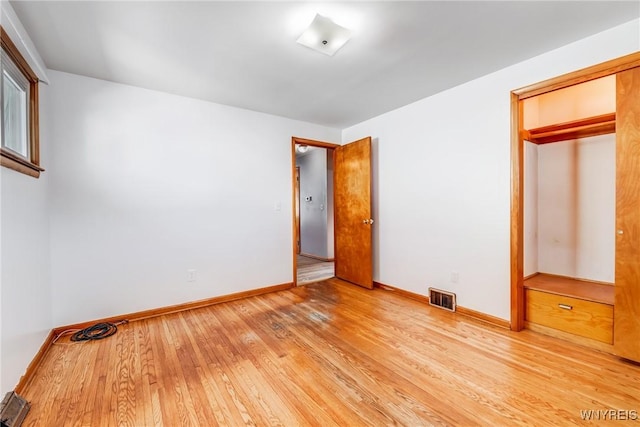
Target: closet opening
569	209
575	207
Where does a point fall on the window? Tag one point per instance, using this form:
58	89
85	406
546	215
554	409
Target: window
19	118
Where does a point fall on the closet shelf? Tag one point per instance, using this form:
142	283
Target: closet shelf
582	128
575	288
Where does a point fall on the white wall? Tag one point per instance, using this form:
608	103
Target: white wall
25	277
577	183
575	186
558	197
530	208
313	214
442	174
146	185
588	99
330	207
25	291
21	39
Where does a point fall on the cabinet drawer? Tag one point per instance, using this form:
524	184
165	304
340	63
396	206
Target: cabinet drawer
584	318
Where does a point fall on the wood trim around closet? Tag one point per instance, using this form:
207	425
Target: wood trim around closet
517	215
517	170
594	72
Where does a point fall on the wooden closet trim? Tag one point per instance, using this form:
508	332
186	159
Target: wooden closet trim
517	170
581	76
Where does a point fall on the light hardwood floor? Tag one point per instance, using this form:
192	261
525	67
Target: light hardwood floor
325	354
312	270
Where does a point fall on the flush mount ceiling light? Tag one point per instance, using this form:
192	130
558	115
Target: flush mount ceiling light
324	36
302	148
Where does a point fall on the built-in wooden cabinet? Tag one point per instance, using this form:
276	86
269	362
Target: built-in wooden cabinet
583	309
588	319
605	316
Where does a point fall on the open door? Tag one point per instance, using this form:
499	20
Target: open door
352	218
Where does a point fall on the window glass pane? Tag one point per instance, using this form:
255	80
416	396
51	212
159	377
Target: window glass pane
14	112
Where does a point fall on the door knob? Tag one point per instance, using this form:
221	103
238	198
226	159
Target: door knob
367	221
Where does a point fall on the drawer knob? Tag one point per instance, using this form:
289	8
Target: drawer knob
565	307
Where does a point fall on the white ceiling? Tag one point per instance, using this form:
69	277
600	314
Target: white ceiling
245	54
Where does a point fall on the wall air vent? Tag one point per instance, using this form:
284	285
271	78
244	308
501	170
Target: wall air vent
442	299
13	409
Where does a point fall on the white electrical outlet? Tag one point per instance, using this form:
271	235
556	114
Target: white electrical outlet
454	277
191	275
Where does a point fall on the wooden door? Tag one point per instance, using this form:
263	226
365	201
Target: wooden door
626	333
297	197
352	213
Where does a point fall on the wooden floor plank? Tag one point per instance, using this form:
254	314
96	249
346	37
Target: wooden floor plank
256	341
325	354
